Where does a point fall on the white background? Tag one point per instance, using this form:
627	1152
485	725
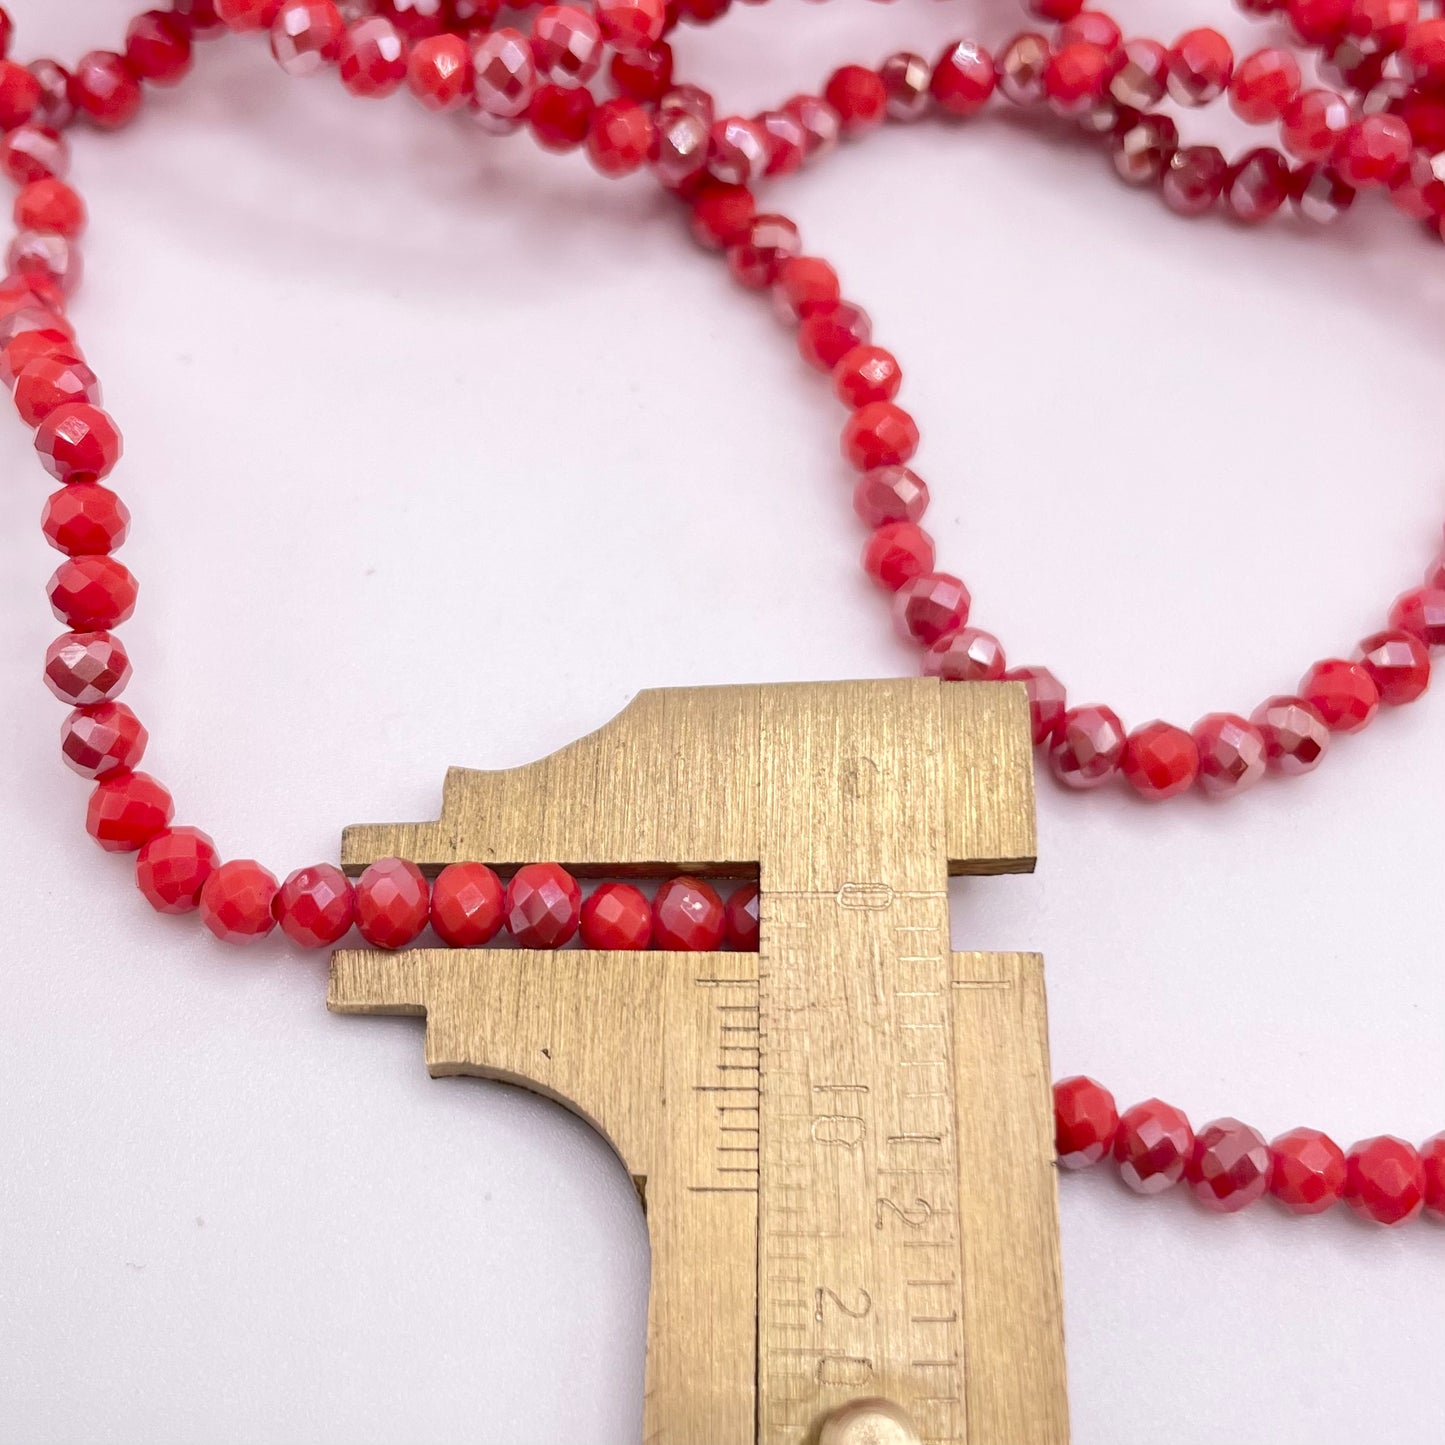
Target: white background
438	450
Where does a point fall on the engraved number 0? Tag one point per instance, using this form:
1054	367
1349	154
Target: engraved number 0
913	1216
822	1293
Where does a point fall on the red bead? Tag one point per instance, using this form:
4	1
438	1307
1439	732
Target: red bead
1075	77
1373	151
98	741
561	116
632	25
1093	26
315	906
737	150
1423	53
755	260
91	594
617	916
1059	10
896	553
930	606
1022	65
85	520
742	918
1047	700
890	494
830	331
158	47
1421	612
306	36
7	32
50	205
1200	64
1229	1167
567	43
721	215
104	90
247	14
439	72
49	382
1419	189
1193	179
787	142
372	58
393	903
860	98
1318	21
1085	1121
880	434
1306	1171
906	78
1232	753
1398	664
1264	85
1295	735
78	442
53	108
644	76
19	95
687	917
867	373
85	668
1088	747
127	810
200	17
1313	124
621	137
1343	693
963	78
237	901
1319	195
1258	185
1160	760
467	905
1139	74
172	868
1432	1160
968	655
1153	1145
17	353
46	256
33	153
1384	1180
543	905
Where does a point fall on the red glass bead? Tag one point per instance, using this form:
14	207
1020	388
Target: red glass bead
415	19
237	901
687	916
617	916
1317	21
50	205
53	108
127	810
1229	1166
890	494
1398	664
1232	753
1057	10
930	606
1075	77
1421	612
98	741
393	903
17	353
49	382
19	95
681	150
247	14
755	260
315	906
721	215
906	79
467	905
561	116
1306	1171
897	552
439	72
1313	124
829	332
1093	26
1160	760
880	434
158	47
43	254
631	25
306	36
1088	746
859	97
1419	189
1373	151
1047	700
567	44
1199	66
787	142
1264	85
85	520
543	906
200	17
172	868
1384	1180
1142	150
78	442
621	137
645	75
1295	735
867	373
1153	1145
372	58
104	90
7	32
968	655
1258	185
17	317
1085	1121
85	668
91	594
1319	195
33	153
1432	1161
1423	53
1193	179
504	75
963	79
1343	694
1138	74
742	918
737	150
1022	66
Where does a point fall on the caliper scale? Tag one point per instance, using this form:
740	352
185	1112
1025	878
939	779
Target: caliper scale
844	1142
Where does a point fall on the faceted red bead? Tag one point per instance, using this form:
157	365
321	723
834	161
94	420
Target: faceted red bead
1319	195
393	903
1160	760
33	153
127	810
968	655
1306	1171
1343	693
85	520
315	906
46	255
98	741
53	108
742	918
867	373
306	36
19	95
85	668
91	594
631	25
544	906
372	58
1398	664
1153	1145
49	382
721	215
1085	1121
78	442
687	916
1022	65
859	97
567	43
18	316
1139	74
1093	26
1192	181
1088	746
1058	10
1232	753
1373	151
1199	66
770	241
1384	1180
1264	84
1258	185
930	606
561	116
1047	700
880	434
50	205
621	137
1432	1160
439	72
247	14
1229	1166
617	916
236	902
1313	124
467	905
200	17
158	47
172	868
897	552
1075	77
1317	21
1422	613
17	353
906	78
890	494
1142	149
787	142
737	150
1295	735
1423	53
963	78
104	90
828	332
646	75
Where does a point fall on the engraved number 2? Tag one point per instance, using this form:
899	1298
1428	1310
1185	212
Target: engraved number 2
823	1294
912	1215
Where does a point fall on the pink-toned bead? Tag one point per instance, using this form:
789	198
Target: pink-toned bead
1384	1180
867	373
98	741
820	123
687	917
49	382
1160	760
567	43
92	594
1232	754
1193	179
930	606
617	916
786	141
1313	124
33	153
643	75
1021	69
755	260
1295	735
1318	21
372	58
543	906
721	214
880	434
46	253
1199	66
439	72
315	906
1421	612
504	75
1319	195
1264	85
237	901
682	144
1306	1171
1229	1166
1258	185
1419	189
742	918
1088	747
906	79
963	79
890	494
1152	1147
1140	74
1085	1121
1373	151
78	442
1398	664
85	520
393	903
19	95
1048	701
1143	149
172	868
468	905
632	25
306	36
968	655
1343	693
127	810
86	668
896	553
737	150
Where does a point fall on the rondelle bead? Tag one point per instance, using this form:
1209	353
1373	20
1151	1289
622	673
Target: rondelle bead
567	44
880	434
1085	1121
50	381
439	72
92	594
1313	124
1343	693
98	741
33	153
158	47
315	906
1373	151
1153	1145
620	137
85	520
821	127
306	36
104	90
617	916
236	902
19	95
78	442
172	868
742	918
721	215
906	79
1160	760
930	606
1258	184
47	254
1139	74
646	75
561	116
50	205
467	905
770	241
1048	701
1192	181
737	150
127	810
1021	69
896	553
963	79
687	916
1421	612
1199	66
1075	77
1229	1166
631	25
85	668
17	353
1317	21
828	332
1384	1180
1306	1171
1295	735
1232	753
1432	1161
504	75
1264	85
1319	195
372	58
890	494
1088	746
1422	55
54	107
1143	149
1398	664
867	373
859	97
393	903
247	14
968	655
543	906
681	147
